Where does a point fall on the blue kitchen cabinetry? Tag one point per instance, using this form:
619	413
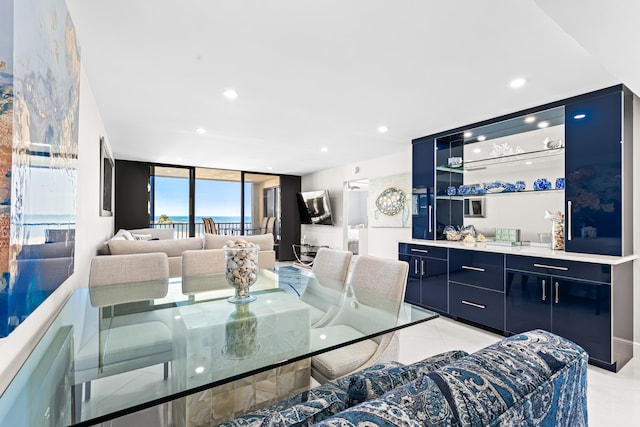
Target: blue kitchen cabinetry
571	299
423	209
598	142
427	281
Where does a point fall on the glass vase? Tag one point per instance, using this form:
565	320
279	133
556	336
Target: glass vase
557	233
241	271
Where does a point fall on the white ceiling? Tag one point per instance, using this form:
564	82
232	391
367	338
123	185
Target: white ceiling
323	73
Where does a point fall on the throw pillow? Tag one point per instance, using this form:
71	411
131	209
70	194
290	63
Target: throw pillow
141	236
124	233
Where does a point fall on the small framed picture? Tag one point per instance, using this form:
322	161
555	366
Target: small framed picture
106	179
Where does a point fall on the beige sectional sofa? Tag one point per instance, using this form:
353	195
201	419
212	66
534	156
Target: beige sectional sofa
137	242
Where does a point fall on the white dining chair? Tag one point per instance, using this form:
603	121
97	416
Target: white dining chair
374	296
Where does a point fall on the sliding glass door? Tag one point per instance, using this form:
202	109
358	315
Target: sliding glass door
237	202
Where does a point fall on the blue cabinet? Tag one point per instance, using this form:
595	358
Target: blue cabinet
423	189
476	287
427	281
594	153
541	294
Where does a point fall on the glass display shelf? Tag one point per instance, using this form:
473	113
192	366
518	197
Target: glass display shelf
503	193
513	158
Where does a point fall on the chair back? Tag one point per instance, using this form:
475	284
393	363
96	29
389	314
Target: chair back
332	264
203	270
270	224
386	277
117	279
209	226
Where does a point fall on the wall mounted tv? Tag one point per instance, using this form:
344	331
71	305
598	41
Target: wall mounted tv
315	208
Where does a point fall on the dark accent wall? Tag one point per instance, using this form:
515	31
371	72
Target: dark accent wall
290	186
132	196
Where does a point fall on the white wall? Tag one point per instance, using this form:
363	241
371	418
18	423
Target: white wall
91	230
383	242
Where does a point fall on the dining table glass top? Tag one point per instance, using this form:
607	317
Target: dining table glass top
189	326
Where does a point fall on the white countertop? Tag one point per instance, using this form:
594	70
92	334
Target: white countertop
536	249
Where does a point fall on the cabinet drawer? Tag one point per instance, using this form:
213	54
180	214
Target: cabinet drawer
476	304
477	268
422	250
561	268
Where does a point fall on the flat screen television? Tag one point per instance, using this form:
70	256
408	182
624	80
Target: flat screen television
315	208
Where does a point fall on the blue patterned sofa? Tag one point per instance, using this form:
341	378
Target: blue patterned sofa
531	379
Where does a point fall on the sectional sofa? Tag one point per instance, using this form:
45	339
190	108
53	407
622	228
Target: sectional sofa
535	378
149	240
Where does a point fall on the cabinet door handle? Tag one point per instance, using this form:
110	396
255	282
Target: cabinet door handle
422	267
424	251
553	267
430	225
473	304
466	267
544	290
557	291
415	266
569	213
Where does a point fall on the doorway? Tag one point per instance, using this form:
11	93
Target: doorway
355	212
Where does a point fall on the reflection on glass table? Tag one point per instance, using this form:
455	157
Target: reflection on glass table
207	342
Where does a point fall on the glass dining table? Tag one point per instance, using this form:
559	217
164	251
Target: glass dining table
181	341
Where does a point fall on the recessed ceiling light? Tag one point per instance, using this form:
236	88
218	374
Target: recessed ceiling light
530	119
579	116
199	369
516	83
324	149
543	124
383	129
230	94
468	134
528	163
477	150
201	130
482	138
269	168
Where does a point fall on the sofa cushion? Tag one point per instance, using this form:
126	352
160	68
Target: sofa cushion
217	241
421	404
373	382
302	409
173	248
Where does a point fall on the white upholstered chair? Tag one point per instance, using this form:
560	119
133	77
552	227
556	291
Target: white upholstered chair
130	334
361	313
199	269
324	292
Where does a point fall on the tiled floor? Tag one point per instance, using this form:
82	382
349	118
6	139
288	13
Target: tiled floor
613	398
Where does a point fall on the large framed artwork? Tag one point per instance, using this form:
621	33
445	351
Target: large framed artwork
389	203
106	179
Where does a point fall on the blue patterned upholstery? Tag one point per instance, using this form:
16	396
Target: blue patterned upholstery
535	378
375	381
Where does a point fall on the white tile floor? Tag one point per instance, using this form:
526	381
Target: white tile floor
613	398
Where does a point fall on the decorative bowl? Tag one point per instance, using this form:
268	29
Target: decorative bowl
541	184
520	185
560	183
